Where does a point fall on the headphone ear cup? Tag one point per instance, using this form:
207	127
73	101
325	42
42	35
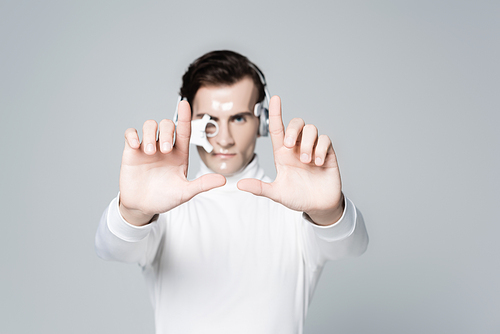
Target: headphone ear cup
264	122
257	109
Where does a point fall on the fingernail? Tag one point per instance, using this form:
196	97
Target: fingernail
150	148
167	146
135	143
289	141
318	161
304	157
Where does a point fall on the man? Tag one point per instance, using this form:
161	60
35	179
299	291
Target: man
229	252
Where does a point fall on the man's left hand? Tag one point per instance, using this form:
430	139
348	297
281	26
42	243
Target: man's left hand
308	177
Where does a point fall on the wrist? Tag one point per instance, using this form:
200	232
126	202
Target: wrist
328	216
135	217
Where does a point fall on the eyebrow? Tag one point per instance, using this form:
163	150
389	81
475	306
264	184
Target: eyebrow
243	113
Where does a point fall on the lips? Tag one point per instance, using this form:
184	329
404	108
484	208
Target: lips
224	155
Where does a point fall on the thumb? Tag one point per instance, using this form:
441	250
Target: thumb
205	183
256	187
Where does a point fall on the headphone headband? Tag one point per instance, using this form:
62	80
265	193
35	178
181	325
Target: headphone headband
261	109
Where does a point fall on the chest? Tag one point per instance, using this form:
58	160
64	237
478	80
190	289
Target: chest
232	237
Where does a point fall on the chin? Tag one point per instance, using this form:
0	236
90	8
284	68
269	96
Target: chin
225	169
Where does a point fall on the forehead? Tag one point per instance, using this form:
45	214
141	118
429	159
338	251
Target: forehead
239	97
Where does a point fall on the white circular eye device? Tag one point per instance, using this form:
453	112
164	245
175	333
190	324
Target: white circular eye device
199	132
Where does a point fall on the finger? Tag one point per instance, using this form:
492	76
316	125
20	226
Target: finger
256	187
293	131
322	147
183	127
149	136
204	183
309	137
166	135
132	138
276	128
331	157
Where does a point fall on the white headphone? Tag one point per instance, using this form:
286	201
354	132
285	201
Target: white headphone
261	109
198	126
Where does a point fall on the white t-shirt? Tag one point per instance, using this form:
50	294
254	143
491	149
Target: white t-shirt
230	262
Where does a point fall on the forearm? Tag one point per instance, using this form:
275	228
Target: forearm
346	238
117	240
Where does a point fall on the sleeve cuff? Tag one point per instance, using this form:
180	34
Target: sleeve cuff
121	228
342	229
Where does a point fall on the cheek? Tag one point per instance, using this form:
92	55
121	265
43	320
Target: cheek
246	138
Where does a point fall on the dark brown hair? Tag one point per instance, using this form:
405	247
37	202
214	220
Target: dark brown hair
219	68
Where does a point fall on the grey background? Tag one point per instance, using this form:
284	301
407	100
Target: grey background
407	90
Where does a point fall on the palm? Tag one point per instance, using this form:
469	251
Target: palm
155	182
299	185
305	187
151	183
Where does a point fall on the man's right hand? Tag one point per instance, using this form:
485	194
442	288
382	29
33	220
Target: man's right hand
153	173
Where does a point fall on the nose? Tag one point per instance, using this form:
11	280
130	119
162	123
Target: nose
224	137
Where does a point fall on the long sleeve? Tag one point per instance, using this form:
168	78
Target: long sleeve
224	246
120	241
346	238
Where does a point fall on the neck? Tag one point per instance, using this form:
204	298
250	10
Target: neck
252	170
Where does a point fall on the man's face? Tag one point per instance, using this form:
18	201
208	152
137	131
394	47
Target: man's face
232	108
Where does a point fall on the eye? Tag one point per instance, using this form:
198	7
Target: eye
239	119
